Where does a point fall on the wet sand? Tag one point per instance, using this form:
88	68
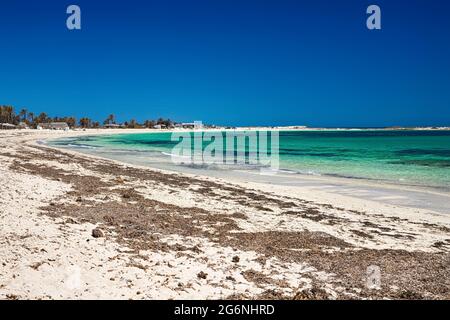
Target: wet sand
163	235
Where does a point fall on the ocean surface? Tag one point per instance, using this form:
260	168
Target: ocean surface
415	158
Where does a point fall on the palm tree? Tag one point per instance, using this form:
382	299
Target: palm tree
85	122
149	123
132	124
71	121
31	117
42	118
110	120
23	114
10	115
168	123
2	114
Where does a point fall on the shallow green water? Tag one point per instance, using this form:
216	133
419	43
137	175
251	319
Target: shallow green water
404	157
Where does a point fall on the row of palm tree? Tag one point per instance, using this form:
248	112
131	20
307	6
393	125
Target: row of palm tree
133	124
8	115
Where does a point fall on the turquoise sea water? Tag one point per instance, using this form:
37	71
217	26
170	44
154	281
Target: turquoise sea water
400	157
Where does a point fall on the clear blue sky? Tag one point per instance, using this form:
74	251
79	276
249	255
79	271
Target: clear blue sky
230	62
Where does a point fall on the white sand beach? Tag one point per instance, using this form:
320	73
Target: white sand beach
167	235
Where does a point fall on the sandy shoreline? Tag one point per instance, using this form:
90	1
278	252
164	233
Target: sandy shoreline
171	235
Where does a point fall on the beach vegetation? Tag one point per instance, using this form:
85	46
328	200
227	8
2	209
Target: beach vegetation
32	120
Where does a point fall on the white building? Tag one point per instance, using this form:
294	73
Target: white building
7	126
53	126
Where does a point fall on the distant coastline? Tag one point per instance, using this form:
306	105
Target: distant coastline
25	119
306	128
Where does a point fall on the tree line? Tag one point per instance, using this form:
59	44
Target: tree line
8	115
